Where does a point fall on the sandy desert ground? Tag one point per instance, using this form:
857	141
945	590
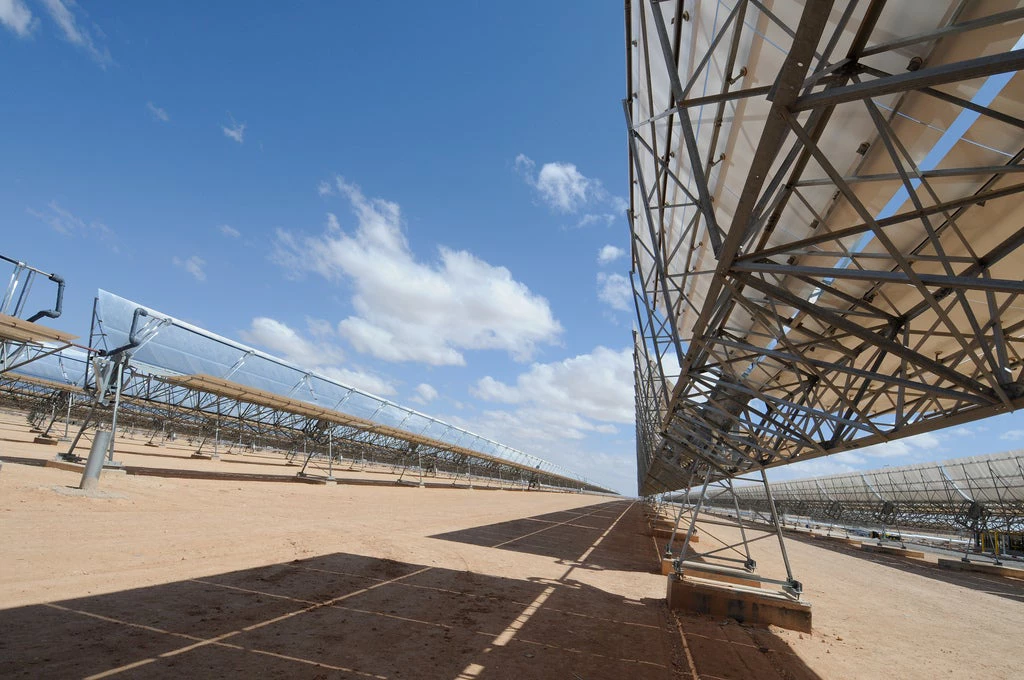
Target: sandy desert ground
158	576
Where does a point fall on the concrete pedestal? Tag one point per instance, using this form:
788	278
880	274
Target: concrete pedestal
892	550
983	567
326	481
49	441
742	603
205	456
736	578
842	539
108	468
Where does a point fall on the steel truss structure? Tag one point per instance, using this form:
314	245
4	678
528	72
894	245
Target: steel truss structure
826	228
22	340
140	377
732	556
973	494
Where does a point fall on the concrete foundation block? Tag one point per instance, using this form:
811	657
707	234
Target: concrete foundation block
324	481
734	577
49	441
892	550
983	567
115	469
856	542
742	603
205	456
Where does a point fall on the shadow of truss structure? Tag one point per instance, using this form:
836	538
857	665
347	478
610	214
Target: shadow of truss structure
150	372
827	239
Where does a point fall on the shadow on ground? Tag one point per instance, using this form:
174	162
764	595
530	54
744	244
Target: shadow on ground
351	616
342	616
1011	589
566	535
726	650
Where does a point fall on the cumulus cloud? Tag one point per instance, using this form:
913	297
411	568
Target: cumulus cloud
598	386
587	220
281	340
819	467
229	231
609	254
1012	435
566	190
412	310
562	186
235	131
367	381
17	17
72	20
193	265
324	188
320	355
158	113
614	290
573	412
425	394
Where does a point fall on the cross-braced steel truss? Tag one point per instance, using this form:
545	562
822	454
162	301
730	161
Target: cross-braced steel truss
127	379
22	340
826	233
977	493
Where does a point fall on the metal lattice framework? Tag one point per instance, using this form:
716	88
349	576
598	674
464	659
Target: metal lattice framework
826	226
143	376
22	340
975	493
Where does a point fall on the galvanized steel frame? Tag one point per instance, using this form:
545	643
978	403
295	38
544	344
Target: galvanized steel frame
808	407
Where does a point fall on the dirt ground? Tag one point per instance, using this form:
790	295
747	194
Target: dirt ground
169	577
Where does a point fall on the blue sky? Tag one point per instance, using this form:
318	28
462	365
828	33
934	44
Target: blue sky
423	200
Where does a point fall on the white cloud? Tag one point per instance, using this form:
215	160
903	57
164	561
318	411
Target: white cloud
819	467
564	189
908	448
609	253
324	188
408	310
67	14
567	440
321	356
281	340
425	394
158	113
229	231
17	17
525	165
361	380
1012	435
64	222
235	131
588	220
562	186
489	389
615	291
193	265
598	386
